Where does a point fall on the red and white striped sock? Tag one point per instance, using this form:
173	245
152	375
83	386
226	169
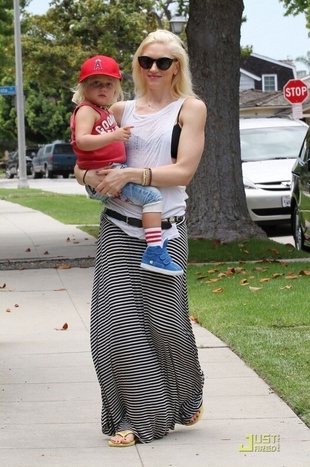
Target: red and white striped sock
153	236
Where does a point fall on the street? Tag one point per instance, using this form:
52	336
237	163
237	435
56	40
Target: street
281	233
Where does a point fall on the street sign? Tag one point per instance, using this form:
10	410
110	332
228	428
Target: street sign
295	91
7	90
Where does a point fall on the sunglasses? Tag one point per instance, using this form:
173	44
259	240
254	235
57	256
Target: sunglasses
163	63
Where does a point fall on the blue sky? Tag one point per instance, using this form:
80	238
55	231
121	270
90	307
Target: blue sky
266	30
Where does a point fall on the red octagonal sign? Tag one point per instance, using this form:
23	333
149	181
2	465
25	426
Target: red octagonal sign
295	91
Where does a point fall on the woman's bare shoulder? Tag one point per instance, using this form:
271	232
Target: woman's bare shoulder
193	107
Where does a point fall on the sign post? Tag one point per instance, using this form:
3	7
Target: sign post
296	92
22	181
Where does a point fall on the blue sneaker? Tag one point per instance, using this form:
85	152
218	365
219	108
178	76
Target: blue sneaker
157	259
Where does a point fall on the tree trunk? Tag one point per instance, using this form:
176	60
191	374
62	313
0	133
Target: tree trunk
217	205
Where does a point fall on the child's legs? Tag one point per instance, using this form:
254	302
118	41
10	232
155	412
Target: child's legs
140	195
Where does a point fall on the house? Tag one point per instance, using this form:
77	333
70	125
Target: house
262	80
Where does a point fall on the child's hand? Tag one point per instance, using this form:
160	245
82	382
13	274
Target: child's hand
123	133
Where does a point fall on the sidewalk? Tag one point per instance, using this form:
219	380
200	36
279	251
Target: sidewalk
50	414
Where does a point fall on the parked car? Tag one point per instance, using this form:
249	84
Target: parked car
52	159
300	197
12	166
269	148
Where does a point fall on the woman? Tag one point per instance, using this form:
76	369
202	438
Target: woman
142	342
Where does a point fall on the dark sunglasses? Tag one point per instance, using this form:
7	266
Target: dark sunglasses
163	63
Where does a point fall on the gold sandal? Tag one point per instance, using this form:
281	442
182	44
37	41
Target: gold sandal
123	435
196	419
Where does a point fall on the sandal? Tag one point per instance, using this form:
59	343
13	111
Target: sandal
197	419
123	435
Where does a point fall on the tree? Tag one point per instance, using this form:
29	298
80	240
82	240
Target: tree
304	60
294	7
217	206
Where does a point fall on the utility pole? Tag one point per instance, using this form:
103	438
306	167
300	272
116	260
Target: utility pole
22	181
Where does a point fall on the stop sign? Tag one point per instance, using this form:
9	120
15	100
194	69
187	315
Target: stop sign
295	91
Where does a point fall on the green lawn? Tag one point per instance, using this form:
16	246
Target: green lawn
246	294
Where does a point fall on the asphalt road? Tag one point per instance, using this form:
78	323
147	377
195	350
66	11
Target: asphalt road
281	233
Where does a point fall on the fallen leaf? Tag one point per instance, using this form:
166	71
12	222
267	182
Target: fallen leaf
265	279
245	251
64	328
211	281
212	271
193	318
259	269
292	276
254	289
16	305
243	282
274	250
68	239
63	266
219	290
286	287
8	310
276	275
28	250
304	273
46	252
222	274
3	286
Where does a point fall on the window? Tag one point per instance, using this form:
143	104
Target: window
270	83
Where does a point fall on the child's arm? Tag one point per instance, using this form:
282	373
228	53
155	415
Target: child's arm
85	119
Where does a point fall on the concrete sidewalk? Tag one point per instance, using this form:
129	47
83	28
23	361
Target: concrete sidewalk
50	413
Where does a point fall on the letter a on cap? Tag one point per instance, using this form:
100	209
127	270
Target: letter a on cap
98	64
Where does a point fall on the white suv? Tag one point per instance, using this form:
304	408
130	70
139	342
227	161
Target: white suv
269	148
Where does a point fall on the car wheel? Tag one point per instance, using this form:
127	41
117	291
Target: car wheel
9	175
297	231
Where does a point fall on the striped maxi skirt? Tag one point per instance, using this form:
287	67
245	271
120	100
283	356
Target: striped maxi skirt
142	343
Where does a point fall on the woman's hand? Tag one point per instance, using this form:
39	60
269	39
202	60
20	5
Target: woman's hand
113	180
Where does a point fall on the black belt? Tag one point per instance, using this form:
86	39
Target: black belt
165	223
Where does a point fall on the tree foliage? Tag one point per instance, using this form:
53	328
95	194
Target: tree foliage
55	44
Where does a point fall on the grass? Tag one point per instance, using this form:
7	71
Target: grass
261	311
247	295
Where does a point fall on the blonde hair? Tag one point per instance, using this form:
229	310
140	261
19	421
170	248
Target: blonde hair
80	93
181	85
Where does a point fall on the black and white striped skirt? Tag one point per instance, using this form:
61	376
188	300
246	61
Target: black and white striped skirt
142	343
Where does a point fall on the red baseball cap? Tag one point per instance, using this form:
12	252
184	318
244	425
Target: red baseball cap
100	65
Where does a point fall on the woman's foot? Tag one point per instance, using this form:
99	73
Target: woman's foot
123	439
196	417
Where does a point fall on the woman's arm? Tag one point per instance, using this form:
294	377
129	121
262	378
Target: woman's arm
192	119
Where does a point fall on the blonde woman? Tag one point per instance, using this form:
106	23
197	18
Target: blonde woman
98	142
142	341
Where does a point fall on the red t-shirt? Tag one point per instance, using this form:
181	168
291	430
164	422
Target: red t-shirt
114	152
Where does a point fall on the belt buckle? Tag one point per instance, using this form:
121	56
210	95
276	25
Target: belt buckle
171	219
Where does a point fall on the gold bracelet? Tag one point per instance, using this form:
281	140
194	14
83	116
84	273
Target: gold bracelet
151	176
84	177
144	177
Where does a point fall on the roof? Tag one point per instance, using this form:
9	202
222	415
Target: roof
251	98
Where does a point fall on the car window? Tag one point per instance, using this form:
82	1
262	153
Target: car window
63	149
305	150
271	143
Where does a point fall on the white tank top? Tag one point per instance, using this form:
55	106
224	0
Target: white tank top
150	146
